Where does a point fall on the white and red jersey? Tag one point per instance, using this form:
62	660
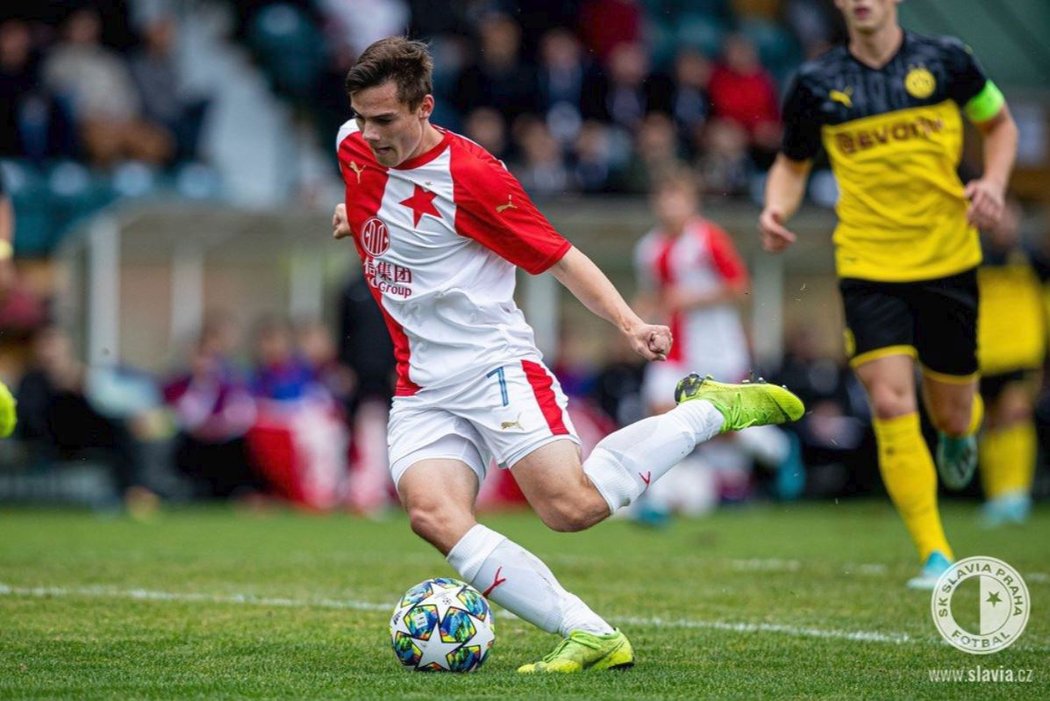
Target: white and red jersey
702	259
439	238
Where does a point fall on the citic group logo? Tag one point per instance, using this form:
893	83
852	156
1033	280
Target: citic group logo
375	238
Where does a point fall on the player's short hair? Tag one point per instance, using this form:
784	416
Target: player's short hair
406	62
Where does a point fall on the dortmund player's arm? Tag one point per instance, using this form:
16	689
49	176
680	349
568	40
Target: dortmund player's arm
987	193
785	186
983	104
786	183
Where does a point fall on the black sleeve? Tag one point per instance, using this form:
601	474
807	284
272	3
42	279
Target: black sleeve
801	122
1040	262
965	75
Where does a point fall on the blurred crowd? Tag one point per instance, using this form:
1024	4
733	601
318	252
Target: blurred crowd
580	96
583	96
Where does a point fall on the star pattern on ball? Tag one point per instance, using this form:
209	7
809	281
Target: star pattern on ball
435	650
421	202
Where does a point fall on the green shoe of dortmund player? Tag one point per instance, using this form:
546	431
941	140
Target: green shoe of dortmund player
583	651
956	459
8	417
743	405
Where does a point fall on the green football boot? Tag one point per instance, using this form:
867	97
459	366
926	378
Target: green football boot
585	651
744	405
8	416
956	459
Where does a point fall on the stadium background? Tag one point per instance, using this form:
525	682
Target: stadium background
181	168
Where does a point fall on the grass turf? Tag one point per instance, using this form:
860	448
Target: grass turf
774	602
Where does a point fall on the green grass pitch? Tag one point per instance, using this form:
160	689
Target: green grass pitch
801	601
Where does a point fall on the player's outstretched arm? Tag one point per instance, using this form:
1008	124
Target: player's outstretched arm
785	186
987	193
581	276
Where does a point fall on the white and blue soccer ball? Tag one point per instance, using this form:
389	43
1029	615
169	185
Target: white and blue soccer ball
442	625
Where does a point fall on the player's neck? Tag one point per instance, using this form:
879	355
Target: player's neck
875	49
431	138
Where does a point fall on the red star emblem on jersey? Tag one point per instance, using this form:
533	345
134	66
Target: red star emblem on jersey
421	202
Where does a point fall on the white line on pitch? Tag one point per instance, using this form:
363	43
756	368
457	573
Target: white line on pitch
352	604
150	595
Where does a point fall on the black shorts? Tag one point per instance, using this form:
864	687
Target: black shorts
992	386
933	320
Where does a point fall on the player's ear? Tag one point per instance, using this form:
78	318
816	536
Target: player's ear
426	107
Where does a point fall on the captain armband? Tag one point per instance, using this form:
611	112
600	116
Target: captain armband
985	104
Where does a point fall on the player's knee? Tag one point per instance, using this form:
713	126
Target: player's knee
572	513
889	401
566	521
431	523
956	423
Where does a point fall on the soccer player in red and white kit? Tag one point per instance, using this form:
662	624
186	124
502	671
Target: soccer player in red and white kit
690	273
440	225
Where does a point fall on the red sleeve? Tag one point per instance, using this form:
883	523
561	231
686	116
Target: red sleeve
726	258
493	209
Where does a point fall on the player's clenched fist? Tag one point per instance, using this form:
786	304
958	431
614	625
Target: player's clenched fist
651	341
340	223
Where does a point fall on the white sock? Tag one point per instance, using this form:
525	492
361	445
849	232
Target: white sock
626	462
518	581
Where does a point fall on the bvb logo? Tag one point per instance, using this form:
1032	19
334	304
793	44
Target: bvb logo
992	598
920	83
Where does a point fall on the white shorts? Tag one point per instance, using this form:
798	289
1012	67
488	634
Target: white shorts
504	413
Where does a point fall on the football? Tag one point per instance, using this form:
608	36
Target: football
442	625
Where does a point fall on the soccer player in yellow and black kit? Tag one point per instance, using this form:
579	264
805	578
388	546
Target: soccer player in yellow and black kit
886	109
1011	347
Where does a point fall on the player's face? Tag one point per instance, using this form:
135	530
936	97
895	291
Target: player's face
868	16
393	130
674	206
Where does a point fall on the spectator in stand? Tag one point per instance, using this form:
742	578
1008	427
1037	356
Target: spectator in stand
655	154
541	170
299	441
58	421
365	348
33	124
213	412
835	433
498	78
318	349
593	164
724	162
744	92
690	103
486	127
563	75
106	106
280	373
606	24
629	90
165	99
816	23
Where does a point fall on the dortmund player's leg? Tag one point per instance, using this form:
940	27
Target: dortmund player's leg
1008	447
904	460
946	341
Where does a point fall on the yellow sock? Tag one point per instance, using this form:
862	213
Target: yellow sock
976	415
1008	458
911	480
